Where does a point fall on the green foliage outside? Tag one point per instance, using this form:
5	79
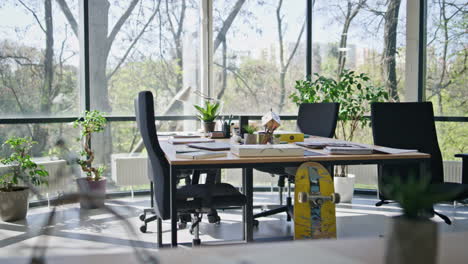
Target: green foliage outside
23	169
92	122
209	113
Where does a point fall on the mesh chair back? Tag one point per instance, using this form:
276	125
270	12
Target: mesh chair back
158	166
318	119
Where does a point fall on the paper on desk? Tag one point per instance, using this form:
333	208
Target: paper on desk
385	150
394	150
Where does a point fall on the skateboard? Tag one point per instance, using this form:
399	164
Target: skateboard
314	203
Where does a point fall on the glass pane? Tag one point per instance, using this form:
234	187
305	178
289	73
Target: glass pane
258	54
452	137
447	54
56	149
39	59
148	46
367	38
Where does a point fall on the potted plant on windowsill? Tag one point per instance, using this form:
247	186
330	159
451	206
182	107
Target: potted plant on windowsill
412	236
15	185
208	115
354	92
93	185
249	136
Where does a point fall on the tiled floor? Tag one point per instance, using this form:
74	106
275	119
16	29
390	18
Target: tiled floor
77	232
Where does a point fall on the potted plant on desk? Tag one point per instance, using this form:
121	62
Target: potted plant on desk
93	185
354	92
208	115
249	136
24	171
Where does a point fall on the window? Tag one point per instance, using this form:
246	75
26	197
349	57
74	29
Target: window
447	54
364	36
259	52
39	60
150	45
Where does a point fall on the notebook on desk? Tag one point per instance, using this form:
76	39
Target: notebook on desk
201	155
211	146
349	150
286	150
178	141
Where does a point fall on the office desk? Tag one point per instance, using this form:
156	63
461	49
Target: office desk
248	164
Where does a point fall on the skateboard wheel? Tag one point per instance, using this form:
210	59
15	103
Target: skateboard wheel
142	217
336	198
303	197
143	228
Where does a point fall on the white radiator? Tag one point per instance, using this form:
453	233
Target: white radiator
129	170
453	171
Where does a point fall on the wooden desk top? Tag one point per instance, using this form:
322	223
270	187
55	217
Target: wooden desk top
170	151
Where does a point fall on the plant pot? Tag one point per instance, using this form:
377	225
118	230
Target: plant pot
209	126
261	137
345	187
411	241
93	193
250	139
14	205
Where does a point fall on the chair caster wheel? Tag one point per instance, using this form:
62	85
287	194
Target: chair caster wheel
142	217
256	223
214	219
196	242
143	228
182	225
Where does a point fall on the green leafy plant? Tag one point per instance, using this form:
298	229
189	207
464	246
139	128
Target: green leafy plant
416	195
354	92
250	129
23	169
209	113
92	122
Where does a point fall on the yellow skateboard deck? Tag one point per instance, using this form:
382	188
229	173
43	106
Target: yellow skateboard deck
314	203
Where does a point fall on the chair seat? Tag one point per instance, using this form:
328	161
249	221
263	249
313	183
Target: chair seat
213	196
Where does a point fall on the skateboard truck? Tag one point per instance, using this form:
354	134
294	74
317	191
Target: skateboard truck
318	200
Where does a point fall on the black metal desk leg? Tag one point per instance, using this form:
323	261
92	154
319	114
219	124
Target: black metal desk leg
247	188
159	229
425	169
173	185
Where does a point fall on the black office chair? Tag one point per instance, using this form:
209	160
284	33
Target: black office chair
317	119
195	199
411	126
